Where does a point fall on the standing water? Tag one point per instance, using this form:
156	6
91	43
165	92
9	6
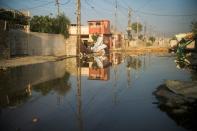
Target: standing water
115	95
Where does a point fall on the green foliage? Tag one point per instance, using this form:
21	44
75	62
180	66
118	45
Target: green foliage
94	37
46	24
141	37
59	85
41	24
152	39
135	25
61	25
149	44
194	27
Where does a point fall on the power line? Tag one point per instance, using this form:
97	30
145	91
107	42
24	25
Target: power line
144	5
100	9
89	4
66	2
83	7
41	5
125	4
155	14
122	6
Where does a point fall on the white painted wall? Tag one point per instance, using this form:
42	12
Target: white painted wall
73	30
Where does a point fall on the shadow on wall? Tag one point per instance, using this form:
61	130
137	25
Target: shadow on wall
36	44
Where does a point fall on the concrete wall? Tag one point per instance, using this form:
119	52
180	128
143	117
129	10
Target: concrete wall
71	46
4	45
46	44
33	43
84	30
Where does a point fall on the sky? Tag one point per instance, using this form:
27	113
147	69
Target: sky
161	17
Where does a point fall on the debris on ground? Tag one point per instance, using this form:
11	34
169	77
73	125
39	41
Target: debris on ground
179	100
35	119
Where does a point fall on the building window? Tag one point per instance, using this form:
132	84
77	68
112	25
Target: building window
98	23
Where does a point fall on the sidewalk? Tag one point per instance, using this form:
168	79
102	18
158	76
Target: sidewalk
28	60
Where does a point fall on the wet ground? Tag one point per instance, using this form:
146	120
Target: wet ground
111	93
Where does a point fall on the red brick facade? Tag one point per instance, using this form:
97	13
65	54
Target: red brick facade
99	74
100	27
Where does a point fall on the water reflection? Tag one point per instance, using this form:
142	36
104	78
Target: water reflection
133	62
79	100
98	67
95	67
194	75
116	59
59	85
88	93
13	99
16	84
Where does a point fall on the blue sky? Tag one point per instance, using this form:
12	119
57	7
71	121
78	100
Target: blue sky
161	16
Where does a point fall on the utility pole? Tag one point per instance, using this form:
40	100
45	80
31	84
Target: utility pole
58	7
78	26
137	28
129	18
115	24
145	31
129	27
78	46
115	16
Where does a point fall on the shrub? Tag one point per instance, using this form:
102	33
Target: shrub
46	24
152	39
149	44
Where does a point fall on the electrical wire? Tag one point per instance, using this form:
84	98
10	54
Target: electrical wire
66	2
41	5
89	4
171	15
146	4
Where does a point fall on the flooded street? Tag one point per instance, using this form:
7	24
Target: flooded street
98	65
115	95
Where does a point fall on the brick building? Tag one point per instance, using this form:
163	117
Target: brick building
101	27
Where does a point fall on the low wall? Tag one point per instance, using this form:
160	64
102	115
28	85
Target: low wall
4	45
71	46
34	43
46	44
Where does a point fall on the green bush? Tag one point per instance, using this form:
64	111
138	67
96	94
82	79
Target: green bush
152	39
46	24
141	37
149	44
94	37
